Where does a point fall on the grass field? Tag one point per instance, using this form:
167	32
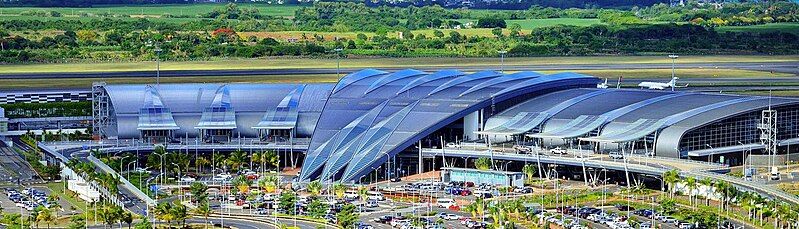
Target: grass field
538	23
87	82
764	28
158	10
287	63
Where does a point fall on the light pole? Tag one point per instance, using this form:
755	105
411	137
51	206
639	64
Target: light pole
502	60
673	57
743	158
179	181
338	61
158	50
710	155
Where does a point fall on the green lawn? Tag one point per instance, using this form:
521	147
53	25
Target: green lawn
58	188
528	24
764	28
157	10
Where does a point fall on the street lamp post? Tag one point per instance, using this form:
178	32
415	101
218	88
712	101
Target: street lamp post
502	60
338	61
179	181
710	155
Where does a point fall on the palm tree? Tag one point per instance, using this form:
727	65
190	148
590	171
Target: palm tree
200	163
362	192
217	160
529	170
339	189
237	159
690	183
205	211
180	213
670	178
242	184
272	158
708	183
163	212
315	188
268	184
46	216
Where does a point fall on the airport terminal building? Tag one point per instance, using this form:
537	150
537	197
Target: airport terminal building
369	116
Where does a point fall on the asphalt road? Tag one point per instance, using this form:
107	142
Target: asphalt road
784	67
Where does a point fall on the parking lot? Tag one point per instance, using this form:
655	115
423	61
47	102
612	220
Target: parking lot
25	199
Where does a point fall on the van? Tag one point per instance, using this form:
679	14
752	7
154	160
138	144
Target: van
351	194
445	203
373	195
775	173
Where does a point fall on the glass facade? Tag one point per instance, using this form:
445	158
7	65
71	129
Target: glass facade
741	128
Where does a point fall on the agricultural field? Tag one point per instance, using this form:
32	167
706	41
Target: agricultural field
190	10
764	28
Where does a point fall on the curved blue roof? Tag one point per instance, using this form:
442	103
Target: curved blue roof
467	78
356	76
503	79
404	74
443	74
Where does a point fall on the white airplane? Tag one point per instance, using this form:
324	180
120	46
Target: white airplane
603	85
660	86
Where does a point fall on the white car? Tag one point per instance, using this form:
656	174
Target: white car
452	217
557	151
397	223
187	179
616	155
446	203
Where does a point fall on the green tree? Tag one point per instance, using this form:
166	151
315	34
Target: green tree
180	213
497	32
287	201
76	222
438	33
198	192
483	163
127	218
144	224
317	208
347	216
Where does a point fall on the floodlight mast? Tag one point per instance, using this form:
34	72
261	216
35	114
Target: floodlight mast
502	60
673	57
338	61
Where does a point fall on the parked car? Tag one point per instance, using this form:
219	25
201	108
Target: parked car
558	150
445	203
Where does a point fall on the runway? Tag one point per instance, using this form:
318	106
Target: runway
782	67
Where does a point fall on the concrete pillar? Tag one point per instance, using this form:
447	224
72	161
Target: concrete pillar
471	123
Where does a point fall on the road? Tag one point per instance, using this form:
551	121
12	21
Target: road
783	67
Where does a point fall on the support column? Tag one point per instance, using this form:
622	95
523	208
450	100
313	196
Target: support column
420	168
471	123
